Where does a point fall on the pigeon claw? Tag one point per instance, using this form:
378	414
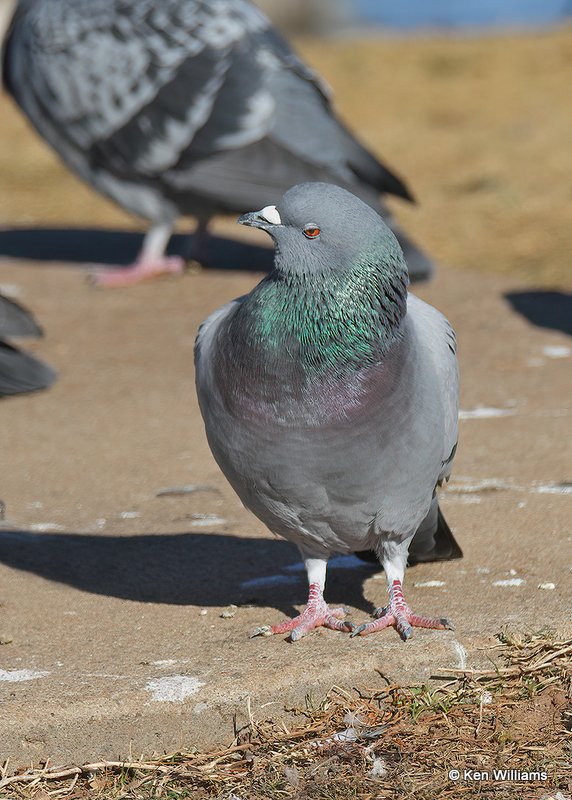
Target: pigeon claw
317	614
399	616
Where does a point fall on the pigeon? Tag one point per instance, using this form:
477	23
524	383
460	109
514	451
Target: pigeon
183	107
330	400
19	371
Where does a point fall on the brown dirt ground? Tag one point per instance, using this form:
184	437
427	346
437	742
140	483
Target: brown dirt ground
480	128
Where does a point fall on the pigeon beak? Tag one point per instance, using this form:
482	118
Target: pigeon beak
263	219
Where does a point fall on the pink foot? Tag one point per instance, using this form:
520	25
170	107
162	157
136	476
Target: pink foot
399	615
141	270
316	614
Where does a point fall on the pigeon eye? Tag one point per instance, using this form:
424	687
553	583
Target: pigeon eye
311	231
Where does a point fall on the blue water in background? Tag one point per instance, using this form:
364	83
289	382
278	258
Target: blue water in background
409	14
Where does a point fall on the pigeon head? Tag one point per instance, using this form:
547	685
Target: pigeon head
338	292
322	228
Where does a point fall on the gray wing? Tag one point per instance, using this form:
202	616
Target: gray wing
437	341
189	97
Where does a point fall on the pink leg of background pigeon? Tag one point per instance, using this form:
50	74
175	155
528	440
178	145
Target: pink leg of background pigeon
150	263
399	615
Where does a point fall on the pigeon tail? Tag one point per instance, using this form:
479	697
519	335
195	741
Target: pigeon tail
440	545
433	541
419	265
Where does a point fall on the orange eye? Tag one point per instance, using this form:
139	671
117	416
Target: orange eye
311	231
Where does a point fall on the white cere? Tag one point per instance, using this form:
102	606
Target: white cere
271	215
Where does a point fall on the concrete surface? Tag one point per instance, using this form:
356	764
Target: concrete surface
111	596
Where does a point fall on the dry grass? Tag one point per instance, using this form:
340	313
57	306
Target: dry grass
480	127
396	743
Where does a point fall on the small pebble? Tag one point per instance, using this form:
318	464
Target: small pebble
548	585
229	612
130	514
203	612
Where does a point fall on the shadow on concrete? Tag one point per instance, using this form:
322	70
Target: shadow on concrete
180	568
79	246
547	309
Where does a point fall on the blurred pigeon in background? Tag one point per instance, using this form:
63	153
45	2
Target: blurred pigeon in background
20	372
330	400
183	107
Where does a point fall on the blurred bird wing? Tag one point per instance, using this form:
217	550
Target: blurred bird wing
144	88
132	83
15	320
20	372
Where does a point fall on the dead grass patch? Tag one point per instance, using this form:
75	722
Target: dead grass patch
400	742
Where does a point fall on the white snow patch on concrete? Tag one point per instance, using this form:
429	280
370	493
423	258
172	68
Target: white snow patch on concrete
173	688
557	351
510	582
46	526
270	580
548	585
471	486
428	584
337	562
553	488
485	412
18	675
466	499
205	520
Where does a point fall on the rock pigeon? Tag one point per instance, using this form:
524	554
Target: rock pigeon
183	107
330	398
20	372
